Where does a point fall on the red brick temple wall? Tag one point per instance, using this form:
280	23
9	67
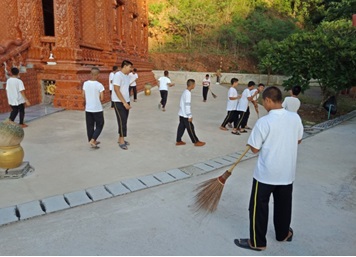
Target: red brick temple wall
80	34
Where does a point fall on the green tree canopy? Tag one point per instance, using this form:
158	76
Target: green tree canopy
327	54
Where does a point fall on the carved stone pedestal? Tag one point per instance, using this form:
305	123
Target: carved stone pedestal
19	172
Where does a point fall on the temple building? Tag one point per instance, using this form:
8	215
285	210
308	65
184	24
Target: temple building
55	43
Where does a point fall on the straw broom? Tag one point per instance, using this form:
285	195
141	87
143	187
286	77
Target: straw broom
215	96
209	192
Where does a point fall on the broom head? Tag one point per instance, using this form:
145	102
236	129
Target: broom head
209	193
215	96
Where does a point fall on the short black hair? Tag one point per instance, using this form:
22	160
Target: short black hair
114	68
125	63
251	83
207	75
190	82
296	90
166	73
233	80
15	71
273	93
261	85
134	69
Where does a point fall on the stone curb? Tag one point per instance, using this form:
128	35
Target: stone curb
57	203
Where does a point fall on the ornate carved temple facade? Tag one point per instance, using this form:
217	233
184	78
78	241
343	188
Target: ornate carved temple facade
79	34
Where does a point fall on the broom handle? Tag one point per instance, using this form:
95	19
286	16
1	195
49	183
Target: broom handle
238	160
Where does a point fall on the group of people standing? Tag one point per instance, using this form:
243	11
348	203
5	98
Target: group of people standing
121	82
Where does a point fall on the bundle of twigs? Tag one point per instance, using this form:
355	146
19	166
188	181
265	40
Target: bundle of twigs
209	192
214	95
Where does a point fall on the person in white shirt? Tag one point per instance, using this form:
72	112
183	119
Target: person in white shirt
255	94
121	99
232	101
163	84
242	108
15	91
275	137
185	116
292	103
133	77
206	85
93	93
111	86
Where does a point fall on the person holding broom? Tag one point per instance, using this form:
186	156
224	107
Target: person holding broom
275	137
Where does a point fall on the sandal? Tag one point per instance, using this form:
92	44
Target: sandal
94	146
223	128
123	146
290	238
245	243
243	131
235	133
125	142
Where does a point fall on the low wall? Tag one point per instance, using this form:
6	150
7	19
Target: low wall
181	77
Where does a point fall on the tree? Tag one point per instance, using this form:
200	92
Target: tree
190	16
327	54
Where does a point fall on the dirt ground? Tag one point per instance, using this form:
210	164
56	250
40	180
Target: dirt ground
200	62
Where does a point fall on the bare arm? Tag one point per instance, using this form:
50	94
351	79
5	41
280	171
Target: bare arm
254	150
102	96
24	97
120	96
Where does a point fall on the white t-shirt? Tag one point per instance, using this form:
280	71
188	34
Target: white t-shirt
122	81
185	104
163	83
111	78
14	86
276	135
133	78
92	96
206	82
232	104
291	104
243	102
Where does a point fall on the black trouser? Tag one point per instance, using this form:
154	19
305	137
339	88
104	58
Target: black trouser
95	124
134	89
205	92
230	117
185	124
258	211
15	110
112	103
245	118
238	119
122	114
164	96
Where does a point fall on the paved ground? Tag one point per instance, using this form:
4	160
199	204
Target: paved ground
159	220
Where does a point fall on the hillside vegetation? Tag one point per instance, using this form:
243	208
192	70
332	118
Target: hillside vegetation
302	39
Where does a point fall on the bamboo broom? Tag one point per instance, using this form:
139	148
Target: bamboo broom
209	192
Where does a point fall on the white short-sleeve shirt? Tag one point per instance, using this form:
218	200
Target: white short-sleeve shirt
92	96
121	80
206	82
276	135
14	86
111	78
243	102
163	83
291	104
231	104
133	78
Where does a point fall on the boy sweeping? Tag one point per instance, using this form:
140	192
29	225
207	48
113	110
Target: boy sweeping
275	137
